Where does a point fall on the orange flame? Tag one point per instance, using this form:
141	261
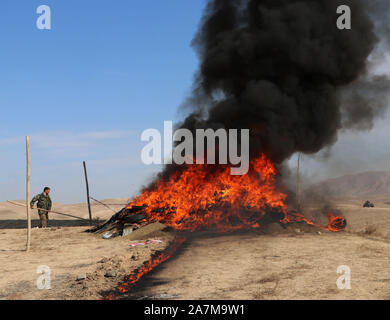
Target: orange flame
198	197
335	223
131	280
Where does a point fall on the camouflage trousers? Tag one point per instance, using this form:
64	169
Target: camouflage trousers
44	218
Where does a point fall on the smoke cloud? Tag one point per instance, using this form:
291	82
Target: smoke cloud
283	69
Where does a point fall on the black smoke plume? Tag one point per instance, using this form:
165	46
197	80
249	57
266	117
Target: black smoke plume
283	69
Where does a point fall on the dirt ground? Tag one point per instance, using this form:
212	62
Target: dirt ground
69	252
295	263
274	267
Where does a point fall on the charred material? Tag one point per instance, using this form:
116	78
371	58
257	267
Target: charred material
136	217
122	220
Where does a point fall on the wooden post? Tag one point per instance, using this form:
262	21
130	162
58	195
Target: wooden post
299	182
88	198
28	193
51	211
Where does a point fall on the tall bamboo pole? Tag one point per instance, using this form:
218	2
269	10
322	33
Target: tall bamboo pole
28	193
299	182
88	198
51	211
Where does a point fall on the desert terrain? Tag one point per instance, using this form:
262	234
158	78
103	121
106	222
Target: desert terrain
82	265
298	262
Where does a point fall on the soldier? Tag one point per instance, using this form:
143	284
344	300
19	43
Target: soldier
44	202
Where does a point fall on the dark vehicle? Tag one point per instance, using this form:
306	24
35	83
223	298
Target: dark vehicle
368	204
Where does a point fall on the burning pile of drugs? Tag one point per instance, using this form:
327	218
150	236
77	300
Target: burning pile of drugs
122	223
203	198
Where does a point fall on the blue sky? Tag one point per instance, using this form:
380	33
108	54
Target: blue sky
86	89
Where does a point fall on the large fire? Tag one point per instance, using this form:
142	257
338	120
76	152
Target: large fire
202	198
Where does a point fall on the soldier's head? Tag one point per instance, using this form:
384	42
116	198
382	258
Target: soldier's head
46	190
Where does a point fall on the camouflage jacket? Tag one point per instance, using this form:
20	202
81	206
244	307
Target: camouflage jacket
44	202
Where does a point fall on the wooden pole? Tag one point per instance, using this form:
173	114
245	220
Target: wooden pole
51	211
299	182
88	198
103	204
28	194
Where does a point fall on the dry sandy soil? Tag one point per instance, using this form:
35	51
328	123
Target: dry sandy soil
295	263
70	252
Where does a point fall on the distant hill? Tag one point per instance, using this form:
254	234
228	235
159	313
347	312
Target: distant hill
365	184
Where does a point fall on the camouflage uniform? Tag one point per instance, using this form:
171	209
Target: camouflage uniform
44	202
